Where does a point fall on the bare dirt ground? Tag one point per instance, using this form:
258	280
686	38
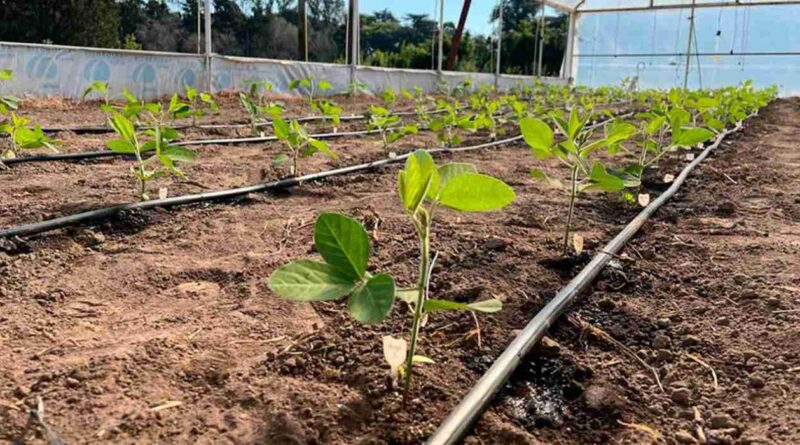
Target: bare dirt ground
158	327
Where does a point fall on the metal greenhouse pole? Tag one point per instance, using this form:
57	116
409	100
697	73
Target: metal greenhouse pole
355	39
570	47
207	12
441	38
499	45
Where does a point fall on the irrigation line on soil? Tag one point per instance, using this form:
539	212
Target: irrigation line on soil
106	212
97	214
453	428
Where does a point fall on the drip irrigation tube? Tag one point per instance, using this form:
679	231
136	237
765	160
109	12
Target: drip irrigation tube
472	405
97	214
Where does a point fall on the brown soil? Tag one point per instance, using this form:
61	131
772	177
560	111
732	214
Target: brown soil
110	323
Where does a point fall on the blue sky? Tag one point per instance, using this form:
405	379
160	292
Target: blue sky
477	21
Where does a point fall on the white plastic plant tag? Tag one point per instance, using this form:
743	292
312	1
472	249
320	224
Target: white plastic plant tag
392	155
577	243
690	156
644	199
668	178
162	193
394	351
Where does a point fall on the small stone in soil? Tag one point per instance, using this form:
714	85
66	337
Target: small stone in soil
684	437
719	421
681	395
756	382
691	340
661	341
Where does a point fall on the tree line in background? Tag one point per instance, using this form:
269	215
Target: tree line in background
269	28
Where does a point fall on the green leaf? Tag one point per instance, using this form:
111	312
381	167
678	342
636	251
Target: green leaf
324	85
538	135
179	154
6	74
487	306
417	179
122	126
372	302
323	148
281	129
343	243
280	160
694	136
453	169
121	146
408	295
603	180
617	132
306	280
473	192
540	175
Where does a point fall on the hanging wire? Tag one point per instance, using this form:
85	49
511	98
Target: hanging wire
745	35
433	36
679	63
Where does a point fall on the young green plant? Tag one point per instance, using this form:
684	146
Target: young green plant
7	103
389	126
311	88
200	103
23	137
157	139
256	105
574	152
299	143
345	248
450	122
101	88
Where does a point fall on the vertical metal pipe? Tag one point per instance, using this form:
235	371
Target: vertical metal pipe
541	42
441	38
499	44
569	58
207	12
689	47
355	39
199	30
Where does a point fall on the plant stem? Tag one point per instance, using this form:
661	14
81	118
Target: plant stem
573	193
423	232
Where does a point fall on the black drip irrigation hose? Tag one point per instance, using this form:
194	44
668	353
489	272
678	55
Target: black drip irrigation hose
456	425
98	214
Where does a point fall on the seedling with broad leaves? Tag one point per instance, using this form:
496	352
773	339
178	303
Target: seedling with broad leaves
389	126
200	103
7	103
310	88
448	124
329	111
421	101
255	103
153	148
23	137
299	143
574	152
344	246
101	88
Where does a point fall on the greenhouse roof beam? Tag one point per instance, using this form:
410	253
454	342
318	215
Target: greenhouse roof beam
583	8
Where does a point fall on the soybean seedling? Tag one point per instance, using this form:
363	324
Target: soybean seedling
388	125
389	97
421	101
23	137
299	143
256	105
329	111
345	248
487	115
7	103
101	88
574	152
424	187
311	88
449	122
156	140
200	103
